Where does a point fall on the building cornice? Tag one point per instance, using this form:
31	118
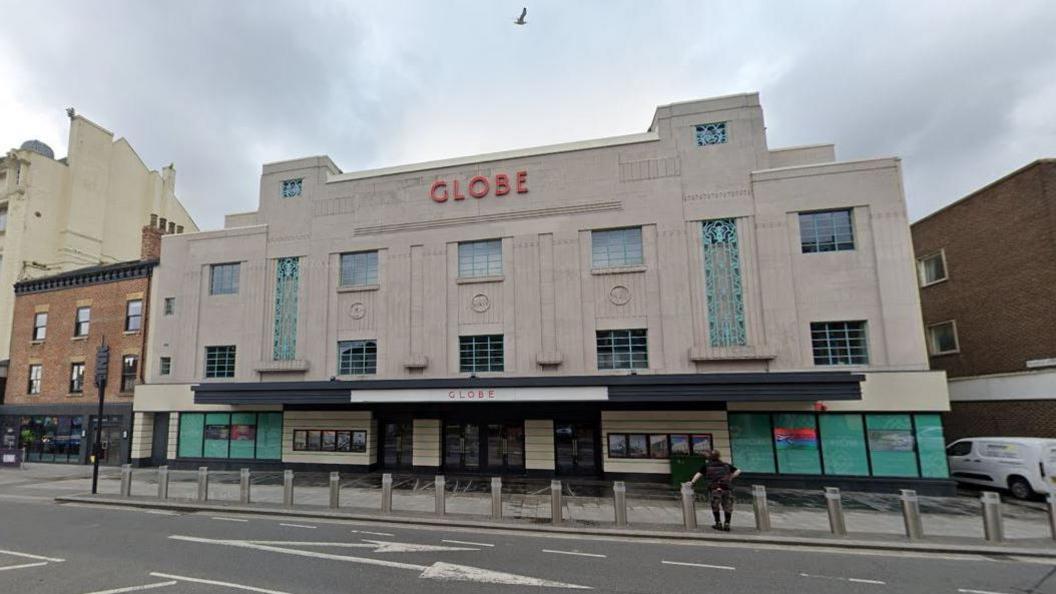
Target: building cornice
93	275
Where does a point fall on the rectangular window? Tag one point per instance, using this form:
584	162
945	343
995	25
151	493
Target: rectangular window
165	366
617	445
291	188
357	357
892	445
932	268
480	258
359	269
243	435
658	447
680	445
931	446
240	435
839	343
3	220
712	133
217	435
616	247
170	306
622	349
220	361
192	430
701	444
129	368
134	315
36	371
223	279
826	231
77	378
752	442
722	283
843	441
82	322
269	436
942	338
480	353
796	443
287	289
637	446
40	325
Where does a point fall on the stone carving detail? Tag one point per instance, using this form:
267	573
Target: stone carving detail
481	303
357	310
620	295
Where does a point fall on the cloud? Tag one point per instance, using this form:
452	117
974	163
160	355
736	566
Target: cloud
962	92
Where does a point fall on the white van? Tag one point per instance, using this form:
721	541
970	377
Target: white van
1024	465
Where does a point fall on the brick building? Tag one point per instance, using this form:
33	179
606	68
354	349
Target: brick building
987	270
51	402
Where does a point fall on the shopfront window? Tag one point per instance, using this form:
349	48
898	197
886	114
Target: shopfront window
751	442
843	441
45	438
892	445
931	446
239	435
796	443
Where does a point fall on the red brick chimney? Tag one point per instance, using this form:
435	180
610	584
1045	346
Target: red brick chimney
150	246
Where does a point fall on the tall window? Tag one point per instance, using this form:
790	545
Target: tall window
224	279
623	349
713	133
480	353
40	325
84	318
826	231
220	361
291	188
170	306
287	279
133	315
359	269
932	268
76	378
839	343
3	220
942	338
165	366
722	279
357	357
480	258
129	366
36	371
616	247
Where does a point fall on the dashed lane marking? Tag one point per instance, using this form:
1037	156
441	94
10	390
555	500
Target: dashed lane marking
466	542
29	556
843	579
373	533
704	565
298	526
576	553
223	519
967	591
184	578
137	588
24	566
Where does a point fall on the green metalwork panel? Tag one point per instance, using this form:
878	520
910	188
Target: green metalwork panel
722	279
287	277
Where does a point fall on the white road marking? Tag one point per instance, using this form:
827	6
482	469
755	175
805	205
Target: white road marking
373	533
704	565
137	588
967	591
28	556
861	581
578	554
438	571
843	579
24	566
223	519
466	542
379	546
184	578
298	526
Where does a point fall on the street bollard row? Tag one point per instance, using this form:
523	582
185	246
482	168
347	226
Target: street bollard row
993	522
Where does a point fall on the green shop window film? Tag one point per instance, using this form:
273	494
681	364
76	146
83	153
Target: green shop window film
750	440
217	434
243	435
269	436
892	445
931	445
796	443
191	427
843	445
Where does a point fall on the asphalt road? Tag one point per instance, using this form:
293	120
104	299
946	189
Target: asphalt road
75	549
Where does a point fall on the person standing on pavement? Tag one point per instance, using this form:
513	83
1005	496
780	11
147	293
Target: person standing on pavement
720	477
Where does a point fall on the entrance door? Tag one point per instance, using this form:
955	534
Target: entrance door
397	445
159	447
462	447
574	448
505	451
112	442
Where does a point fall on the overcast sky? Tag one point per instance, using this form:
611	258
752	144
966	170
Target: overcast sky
963	91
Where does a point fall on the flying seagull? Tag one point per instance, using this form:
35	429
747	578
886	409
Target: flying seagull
520	20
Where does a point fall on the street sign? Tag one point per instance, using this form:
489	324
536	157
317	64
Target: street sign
102	364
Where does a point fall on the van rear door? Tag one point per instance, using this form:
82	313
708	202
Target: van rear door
1048	465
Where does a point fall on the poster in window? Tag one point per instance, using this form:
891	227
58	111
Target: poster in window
314	441
217	432
329	441
359	441
344	441
795	438
702	444
637	446
300	440
617	445
658	446
680	445
891	440
243	432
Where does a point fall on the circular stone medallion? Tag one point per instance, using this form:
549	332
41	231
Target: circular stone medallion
357	310
620	295
481	303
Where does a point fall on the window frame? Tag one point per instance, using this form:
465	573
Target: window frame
129	316
699	129
473	341
921	261
216	364
292	187
817	239
78	322
128	375
76	380
370	277
34	384
221	288
369	348
40	331
605	235
830	348
630	352
165	366
168	306
472	270
933	345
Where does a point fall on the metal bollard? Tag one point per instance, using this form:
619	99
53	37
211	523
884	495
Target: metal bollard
126	480
911	515
619	502
287	488
203	483
689	507
835	505
335	490
441	494
496	498
163	482
555	502
243	486
386	492
760	507
993	527
1052	515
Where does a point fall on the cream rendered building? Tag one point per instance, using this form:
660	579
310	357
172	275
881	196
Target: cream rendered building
85	209
598	308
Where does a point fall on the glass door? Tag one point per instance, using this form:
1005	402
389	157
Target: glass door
505	448
574	448
397	445
462	447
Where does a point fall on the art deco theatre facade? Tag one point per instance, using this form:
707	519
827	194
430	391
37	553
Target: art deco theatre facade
593	308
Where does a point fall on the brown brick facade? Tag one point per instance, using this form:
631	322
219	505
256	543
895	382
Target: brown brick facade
1000	418
1000	247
